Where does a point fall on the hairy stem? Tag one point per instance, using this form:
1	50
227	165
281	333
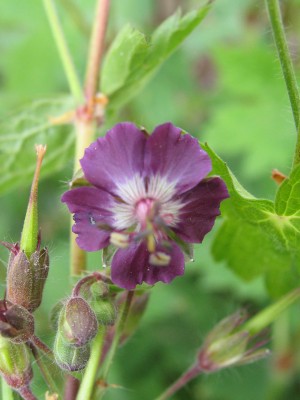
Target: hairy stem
287	67
7	392
63	50
88	381
43	347
180	382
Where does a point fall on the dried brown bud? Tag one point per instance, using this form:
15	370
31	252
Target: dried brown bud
16	323
26	277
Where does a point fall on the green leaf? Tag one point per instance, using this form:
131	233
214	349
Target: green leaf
260	237
20	133
253	109
132	58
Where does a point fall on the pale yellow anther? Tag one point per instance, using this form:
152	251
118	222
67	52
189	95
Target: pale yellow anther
120	240
160	259
151	243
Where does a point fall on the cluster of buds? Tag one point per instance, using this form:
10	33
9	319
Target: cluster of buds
26	275
78	319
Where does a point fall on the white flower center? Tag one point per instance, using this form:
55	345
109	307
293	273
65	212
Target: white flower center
142	200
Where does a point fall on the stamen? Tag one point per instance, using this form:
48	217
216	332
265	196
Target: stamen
151	243
159	259
120	240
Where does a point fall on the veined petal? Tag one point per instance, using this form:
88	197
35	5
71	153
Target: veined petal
201	207
176	157
116	158
131	266
91	207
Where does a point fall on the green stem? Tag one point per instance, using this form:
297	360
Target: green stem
7	392
296	160
89	377
270	314
118	332
44	370
76	15
180	382
287	67
63	50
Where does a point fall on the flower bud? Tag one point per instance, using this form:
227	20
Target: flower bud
16	323
98	297
15	365
69	357
77	322
55	314
229	344
104	310
26	277
29	238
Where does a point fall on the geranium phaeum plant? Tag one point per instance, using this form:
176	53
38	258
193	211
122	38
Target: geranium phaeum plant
149	194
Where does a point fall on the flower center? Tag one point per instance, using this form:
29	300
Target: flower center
145	211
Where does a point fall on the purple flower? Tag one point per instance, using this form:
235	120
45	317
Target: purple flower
148	195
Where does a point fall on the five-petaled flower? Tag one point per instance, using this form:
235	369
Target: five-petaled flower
148	194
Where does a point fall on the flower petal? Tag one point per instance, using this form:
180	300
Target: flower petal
115	158
91	207
176	156
131	267
202	206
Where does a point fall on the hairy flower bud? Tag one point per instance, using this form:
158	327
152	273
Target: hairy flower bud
16	323
15	365
100	300
229	344
26	277
77	322
104	310
68	356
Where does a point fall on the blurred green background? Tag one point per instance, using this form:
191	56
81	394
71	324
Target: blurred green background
224	85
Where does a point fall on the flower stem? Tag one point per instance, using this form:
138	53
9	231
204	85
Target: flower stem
118	332
96	48
88	381
180	382
287	67
85	124
43	347
64	52
44	370
26	393
270	314
6	391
